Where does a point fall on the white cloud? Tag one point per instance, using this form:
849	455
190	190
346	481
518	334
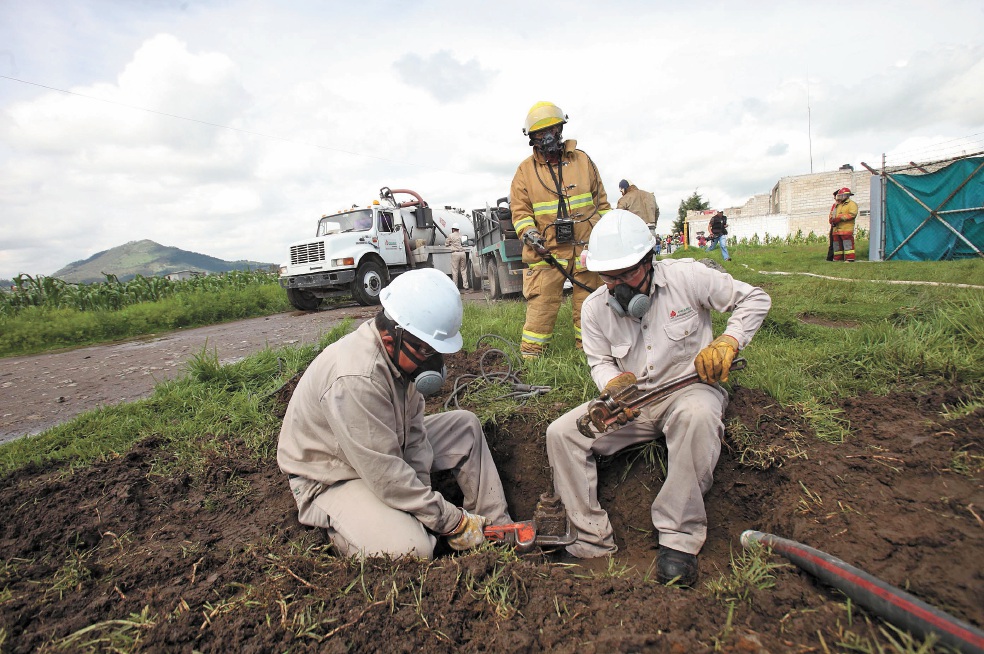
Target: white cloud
443	76
327	103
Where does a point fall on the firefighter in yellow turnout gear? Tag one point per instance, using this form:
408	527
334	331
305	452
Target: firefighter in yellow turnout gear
842	216
556	197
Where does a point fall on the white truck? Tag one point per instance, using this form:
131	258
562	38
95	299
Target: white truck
360	250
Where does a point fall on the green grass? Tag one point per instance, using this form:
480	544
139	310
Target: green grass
750	570
861	337
40	328
194	416
872	338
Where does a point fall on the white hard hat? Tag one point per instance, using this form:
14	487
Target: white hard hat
454	225
620	239
426	303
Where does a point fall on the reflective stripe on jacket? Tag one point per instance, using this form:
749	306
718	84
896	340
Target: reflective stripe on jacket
842	216
534	203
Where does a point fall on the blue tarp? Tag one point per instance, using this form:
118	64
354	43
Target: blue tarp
933	241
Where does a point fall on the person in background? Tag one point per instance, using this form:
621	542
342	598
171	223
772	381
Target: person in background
641	203
842	216
459	258
649	324
718	227
556	197
357	448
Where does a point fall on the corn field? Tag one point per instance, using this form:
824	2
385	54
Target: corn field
112	294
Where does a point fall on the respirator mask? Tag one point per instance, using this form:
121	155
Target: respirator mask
431	371
627	300
429	376
550	143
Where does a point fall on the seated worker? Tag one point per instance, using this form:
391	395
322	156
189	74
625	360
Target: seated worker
649	324
359	451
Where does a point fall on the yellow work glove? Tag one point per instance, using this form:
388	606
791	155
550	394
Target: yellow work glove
468	533
714	361
618	382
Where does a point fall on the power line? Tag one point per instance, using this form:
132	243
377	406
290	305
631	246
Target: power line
233	129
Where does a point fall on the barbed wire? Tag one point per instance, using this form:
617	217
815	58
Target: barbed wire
949	149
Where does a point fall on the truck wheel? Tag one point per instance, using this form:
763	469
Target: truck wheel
369	281
492	274
303	300
475	277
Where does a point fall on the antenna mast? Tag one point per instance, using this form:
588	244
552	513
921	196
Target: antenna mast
809	124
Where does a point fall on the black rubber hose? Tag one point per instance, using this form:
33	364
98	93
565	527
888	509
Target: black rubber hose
888	602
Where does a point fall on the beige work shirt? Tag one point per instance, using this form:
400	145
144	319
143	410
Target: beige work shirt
662	345
454	242
352	416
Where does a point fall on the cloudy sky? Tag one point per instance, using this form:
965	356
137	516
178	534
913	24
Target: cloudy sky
227	127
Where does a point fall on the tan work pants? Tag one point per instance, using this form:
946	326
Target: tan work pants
543	288
691	421
459	269
360	524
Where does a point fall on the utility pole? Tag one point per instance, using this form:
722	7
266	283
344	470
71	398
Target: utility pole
809	123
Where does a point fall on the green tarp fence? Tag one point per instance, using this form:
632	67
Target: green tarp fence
923	237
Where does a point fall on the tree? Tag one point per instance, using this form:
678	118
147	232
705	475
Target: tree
693	203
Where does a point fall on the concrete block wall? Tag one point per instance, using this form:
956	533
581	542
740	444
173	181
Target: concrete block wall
799	202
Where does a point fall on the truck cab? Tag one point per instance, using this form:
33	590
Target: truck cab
360	250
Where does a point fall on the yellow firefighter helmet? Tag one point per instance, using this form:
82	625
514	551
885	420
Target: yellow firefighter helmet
543	115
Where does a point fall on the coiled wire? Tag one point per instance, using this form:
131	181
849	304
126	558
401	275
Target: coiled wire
513	360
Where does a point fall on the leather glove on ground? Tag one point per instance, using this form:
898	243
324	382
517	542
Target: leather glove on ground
468	533
535	240
714	361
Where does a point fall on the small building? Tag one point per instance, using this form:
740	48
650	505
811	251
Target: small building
799	203
182	275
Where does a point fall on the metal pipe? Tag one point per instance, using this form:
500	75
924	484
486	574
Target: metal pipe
888	602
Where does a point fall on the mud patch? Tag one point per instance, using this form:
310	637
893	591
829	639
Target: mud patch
215	561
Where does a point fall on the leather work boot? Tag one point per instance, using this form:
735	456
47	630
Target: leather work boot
676	566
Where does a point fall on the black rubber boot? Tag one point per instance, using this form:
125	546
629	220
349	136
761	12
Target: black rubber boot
677	567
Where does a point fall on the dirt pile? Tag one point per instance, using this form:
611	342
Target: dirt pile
118	555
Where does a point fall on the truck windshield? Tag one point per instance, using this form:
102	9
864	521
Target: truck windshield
350	221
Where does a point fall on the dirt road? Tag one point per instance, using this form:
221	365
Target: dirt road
39	391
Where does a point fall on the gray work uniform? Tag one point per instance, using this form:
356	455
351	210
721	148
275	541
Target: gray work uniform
359	452
459	260
658	348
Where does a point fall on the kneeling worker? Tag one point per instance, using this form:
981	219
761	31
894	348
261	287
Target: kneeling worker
359	451
650	324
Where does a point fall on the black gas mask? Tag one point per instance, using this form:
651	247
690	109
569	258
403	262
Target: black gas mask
550	141
628	300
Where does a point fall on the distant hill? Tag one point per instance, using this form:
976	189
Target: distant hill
149	259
